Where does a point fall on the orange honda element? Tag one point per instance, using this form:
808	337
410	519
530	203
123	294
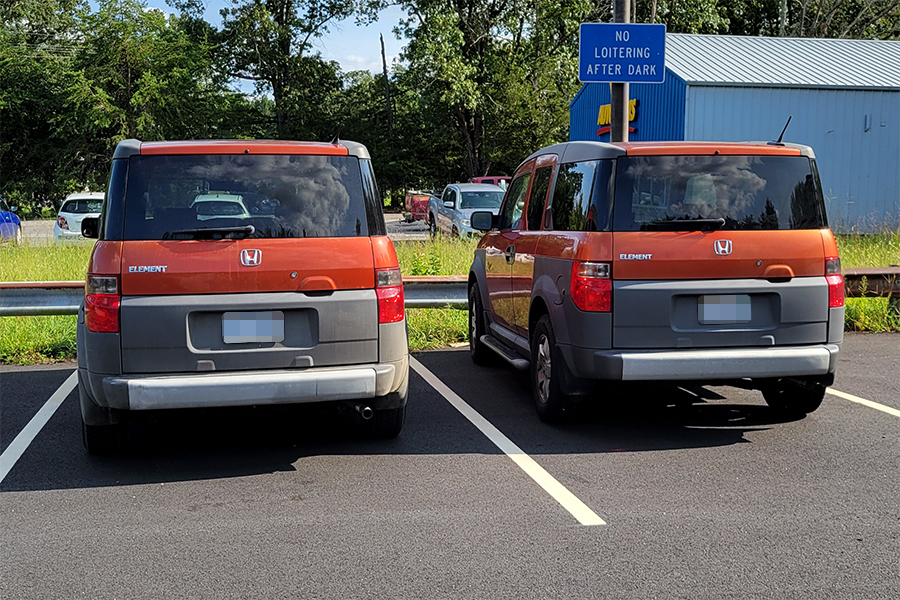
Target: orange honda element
240	273
688	262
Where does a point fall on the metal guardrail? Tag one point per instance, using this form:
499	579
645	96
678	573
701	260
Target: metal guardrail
426	291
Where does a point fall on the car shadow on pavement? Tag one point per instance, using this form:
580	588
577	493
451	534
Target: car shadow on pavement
172	446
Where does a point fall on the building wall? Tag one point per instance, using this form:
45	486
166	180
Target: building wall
659	114
860	170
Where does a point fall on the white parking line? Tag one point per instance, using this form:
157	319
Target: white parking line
567	499
17	448
885	409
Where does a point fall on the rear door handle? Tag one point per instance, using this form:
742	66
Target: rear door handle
510	254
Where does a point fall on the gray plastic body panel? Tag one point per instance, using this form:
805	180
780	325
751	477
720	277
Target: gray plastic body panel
836	325
702	364
579	151
178	334
664	314
552	283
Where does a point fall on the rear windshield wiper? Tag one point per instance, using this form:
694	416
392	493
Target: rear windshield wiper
685	225
211	233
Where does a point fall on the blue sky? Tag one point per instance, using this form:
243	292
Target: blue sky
354	47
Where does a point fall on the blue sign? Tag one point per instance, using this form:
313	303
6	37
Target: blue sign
622	53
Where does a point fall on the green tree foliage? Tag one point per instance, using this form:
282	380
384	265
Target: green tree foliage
269	42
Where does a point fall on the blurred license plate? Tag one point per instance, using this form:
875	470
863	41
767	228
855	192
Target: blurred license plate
733	308
243	327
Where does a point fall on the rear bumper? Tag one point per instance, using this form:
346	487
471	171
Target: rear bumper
247	388
702	364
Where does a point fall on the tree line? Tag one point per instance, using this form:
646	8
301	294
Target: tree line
482	83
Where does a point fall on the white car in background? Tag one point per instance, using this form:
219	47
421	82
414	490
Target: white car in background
217	206
74	209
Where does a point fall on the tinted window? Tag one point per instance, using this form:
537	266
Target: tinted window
280	196
748	192
515	202
81	207
487	199
581	196
374	204
538	197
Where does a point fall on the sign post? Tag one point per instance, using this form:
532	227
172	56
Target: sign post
621	53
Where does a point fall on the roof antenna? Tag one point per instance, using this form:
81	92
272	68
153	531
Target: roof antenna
337	135
778	142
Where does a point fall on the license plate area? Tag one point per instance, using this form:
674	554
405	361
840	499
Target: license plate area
257	326
717	309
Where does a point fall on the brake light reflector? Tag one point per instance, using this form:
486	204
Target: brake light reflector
63	224
389	290
835	282
101	304
591	286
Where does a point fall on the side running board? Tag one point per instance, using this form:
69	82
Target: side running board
506	354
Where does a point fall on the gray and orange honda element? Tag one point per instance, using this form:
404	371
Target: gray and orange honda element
708	263
240	273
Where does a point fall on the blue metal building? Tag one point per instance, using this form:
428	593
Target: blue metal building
843	95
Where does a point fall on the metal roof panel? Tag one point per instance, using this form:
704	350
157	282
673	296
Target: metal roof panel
783	62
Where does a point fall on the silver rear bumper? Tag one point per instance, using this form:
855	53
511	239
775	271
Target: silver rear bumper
702	364
252	388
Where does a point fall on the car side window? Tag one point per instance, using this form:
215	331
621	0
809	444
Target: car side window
515	202
538	197
581	196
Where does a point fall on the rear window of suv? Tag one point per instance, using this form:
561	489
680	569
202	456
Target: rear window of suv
746	192
257	196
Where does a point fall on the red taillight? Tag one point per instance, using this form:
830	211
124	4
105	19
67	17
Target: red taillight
835	290
61	221
835	282
389	289
101	304
591	286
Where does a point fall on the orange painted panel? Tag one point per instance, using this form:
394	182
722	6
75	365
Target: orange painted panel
593	246
705	148
242	147
692	255
383	253
215	267
106	258
831	247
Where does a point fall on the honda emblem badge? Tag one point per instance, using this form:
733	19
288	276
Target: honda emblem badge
723	247
253	258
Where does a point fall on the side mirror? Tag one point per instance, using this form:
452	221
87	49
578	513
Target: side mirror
90	227
448	204
482	220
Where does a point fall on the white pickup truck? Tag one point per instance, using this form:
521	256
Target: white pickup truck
450	214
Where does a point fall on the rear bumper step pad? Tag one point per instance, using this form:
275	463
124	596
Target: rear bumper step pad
675	365
245	389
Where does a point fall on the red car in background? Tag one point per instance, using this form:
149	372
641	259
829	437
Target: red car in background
501	180
416	206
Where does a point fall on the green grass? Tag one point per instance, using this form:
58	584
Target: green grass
30	340
443	256
869	250
27	340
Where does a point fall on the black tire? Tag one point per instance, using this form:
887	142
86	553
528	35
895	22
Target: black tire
547	369
454	232
789	398
385	423
101	439
481	354
432	227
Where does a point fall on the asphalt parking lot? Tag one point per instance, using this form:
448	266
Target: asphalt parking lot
700	497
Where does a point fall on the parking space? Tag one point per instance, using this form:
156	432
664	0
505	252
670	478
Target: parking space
703	496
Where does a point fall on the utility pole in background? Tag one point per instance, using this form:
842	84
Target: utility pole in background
618	121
